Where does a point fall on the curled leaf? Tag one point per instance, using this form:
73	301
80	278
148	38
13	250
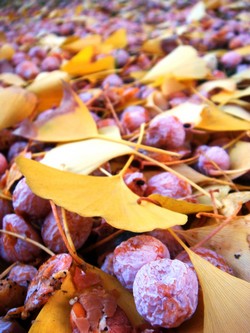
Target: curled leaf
16	105
239	158
71	121
108	197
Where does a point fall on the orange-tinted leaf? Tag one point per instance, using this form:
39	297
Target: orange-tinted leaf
16	105
180	206
108	197
71	121
118	39
48	89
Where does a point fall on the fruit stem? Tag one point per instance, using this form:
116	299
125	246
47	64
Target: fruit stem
26	239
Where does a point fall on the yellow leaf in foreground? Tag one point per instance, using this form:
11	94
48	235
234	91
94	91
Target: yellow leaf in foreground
226	298
232	242
54	316
183	64
225	97
48	89
82	157
108	197
16	105
224	84
71	121
180	206
237	111
214	119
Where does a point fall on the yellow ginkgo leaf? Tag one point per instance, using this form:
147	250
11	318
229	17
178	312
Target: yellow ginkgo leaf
232	201
237	111
226	298
188	113
224	84
48	89
180	206
12	79
16	105
197	12
214	119
183	64
108	197
82	157
81	43
71	121
81	63
226	97
118	39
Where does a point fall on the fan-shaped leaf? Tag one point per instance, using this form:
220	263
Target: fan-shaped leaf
108	197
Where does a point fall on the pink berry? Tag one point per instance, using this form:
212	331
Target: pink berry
165	292
28	204
165	131
121	57
210	255
231	59
210	157
37	52
22	274
112	80
168	184
15	249
133	253
133	116
79	228
50	64
27	70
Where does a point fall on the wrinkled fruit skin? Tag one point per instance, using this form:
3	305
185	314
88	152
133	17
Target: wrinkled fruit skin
132	254
97	311
14	249
165	292
11	295
22	274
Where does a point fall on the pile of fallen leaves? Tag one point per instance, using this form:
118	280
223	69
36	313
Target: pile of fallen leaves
167	57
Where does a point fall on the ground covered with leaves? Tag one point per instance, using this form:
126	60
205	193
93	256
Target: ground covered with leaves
124	163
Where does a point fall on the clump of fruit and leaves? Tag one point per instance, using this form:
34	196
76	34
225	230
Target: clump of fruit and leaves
124	137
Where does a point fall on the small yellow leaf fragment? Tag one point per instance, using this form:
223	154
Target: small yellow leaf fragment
239	158
16	105
118	39
197	12
108	197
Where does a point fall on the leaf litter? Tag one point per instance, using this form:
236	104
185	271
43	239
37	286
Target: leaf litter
87	154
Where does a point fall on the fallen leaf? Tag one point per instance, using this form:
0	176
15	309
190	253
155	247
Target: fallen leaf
239	158
71	121
181	67
16	104
117	39
237	111
226	97
226	298
219	192
197	12
12	79
48	89
232	200
188	113
82	157
80	43
180	206
224	84
108	197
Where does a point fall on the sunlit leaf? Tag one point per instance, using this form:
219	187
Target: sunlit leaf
226	97
52	40
232	242
243	75
55	314
197	12
153	46
188	113
232	200
82	157
81	43
71	121
224	84
16	105
237	111
219	192
180	206
108	197
118	39
183	64
226	298
171	85
239	158
190	173
12	79
214	119
81	63
48	89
